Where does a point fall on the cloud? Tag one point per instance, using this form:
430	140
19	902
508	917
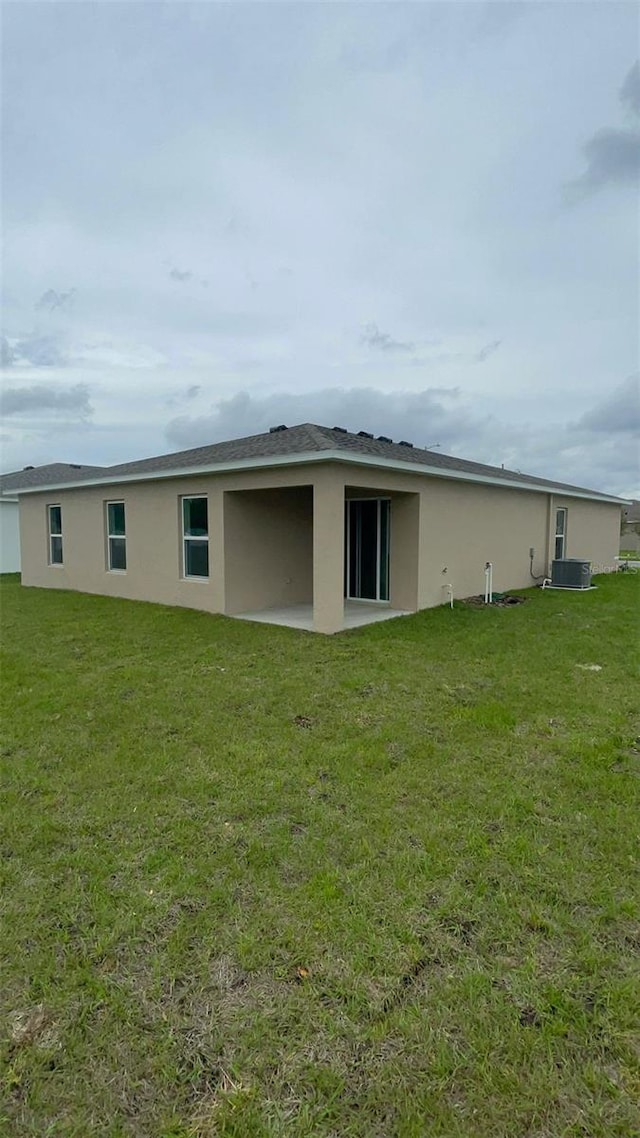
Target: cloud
583	452
487	351
618	413
374	338
184	275
415	192
418	416
613	159
497	16
40	350
50	300
46	399
62	350
7	354
37	349
612	154
630	89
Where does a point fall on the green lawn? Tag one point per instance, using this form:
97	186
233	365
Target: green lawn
264	883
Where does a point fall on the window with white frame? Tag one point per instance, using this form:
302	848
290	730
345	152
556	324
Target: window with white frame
561	532
116	537
54	514
195	537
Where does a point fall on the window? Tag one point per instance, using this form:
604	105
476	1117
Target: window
116	537
561	532
195	537
55	534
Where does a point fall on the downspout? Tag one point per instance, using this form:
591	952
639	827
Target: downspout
550	510
542	578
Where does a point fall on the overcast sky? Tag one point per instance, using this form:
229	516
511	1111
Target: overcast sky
419	220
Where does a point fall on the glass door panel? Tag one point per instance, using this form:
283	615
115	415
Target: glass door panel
367	549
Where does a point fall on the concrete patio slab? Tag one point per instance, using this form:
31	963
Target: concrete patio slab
356	613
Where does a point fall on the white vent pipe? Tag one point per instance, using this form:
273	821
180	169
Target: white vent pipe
488	583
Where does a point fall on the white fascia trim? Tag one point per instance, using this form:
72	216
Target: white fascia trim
322	456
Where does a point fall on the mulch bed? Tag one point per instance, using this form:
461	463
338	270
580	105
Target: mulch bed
502	600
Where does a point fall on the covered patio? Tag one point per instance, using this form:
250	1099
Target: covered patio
356	614
324	556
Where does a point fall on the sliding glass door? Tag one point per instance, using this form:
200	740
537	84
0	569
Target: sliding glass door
367	549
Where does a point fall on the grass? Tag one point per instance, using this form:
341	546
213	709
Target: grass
264	883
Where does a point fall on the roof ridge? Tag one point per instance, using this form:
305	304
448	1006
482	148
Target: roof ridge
320	435
208	446
43	465
33	475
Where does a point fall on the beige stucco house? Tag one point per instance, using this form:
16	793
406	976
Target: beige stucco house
9	514
309	526
630	534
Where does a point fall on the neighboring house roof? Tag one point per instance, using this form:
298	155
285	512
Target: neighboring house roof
52	473
308	442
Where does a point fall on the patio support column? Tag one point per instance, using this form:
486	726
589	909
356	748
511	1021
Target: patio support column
328	551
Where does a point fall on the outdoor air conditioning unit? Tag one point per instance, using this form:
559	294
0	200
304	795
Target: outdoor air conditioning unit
571	573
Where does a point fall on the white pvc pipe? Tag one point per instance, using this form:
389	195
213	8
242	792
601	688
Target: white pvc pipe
488	583
449	589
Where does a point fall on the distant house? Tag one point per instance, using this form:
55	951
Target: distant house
630	530
20	479
309	526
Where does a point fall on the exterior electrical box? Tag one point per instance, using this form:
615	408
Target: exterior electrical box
571	573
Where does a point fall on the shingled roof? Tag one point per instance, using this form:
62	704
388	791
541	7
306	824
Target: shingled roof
51	473
310	440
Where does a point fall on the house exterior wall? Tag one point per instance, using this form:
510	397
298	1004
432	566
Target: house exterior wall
268	548
593	531
153	524
282	541
9	537
630	539
462	525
